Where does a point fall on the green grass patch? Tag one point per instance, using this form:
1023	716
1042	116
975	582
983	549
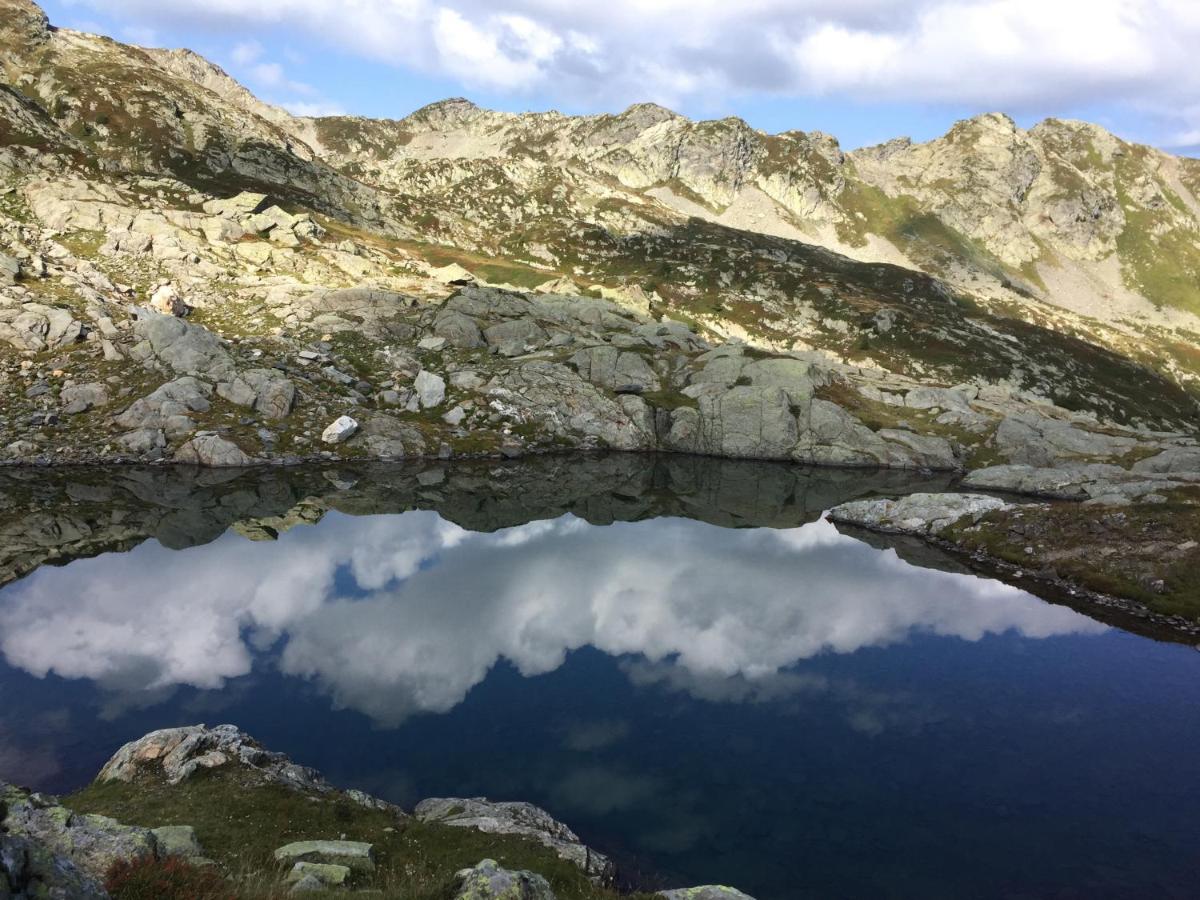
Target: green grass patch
240	821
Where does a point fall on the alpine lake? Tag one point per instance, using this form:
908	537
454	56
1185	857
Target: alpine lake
679	657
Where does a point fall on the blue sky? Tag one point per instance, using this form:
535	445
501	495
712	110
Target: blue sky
862	70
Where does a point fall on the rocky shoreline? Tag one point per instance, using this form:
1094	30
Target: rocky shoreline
51	850
954	523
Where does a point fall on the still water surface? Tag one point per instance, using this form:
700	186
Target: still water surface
681	659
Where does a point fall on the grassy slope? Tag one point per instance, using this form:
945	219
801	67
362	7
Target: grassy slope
240	822
1141	552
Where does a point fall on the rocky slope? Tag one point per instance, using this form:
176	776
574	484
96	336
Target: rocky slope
188	274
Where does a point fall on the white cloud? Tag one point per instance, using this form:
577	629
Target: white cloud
995	54
247	52
140	35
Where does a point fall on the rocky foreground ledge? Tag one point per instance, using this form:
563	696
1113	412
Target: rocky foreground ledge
265	826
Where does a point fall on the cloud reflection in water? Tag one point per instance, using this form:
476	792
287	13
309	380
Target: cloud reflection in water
392	615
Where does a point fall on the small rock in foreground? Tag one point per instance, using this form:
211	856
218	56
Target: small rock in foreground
356	855
488	881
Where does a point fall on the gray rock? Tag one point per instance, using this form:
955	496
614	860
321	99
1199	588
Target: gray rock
10	269
488	881
175	754
168	407
355	855
385	437
243	204
514	818
143	441
268	391
29	869
35	326
308	884
458	329
92	843
326	875
705	892
1089	481
941	398
615	369
556	399
430	388
519	334
748	422
186	348
1170	461
177	840
340	430
921	514
1030	439
796	378
212	450
82	397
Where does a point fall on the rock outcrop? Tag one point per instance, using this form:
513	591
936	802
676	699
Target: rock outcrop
515	818
176	754
921	514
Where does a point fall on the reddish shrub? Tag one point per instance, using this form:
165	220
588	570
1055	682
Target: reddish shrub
164	879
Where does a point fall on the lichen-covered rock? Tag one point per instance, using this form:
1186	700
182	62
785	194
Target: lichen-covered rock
1091	481
326	875
615	369
458	329
178	841
186	348
80	398
92	843
923	514
514	818
168	407
356	855
268	391
175	754
1173	460
1030	439
554	397
206	449
488	881
705	892
29	869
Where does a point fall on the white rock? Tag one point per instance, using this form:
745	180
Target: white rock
430	388
340	431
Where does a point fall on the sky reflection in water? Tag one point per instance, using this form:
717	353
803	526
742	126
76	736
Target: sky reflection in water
790	710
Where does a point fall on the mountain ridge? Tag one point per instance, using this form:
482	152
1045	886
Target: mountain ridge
189	275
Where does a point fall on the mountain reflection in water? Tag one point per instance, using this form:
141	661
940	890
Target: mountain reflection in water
678	656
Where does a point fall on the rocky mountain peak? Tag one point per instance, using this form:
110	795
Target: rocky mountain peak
453	112
23	20
647	115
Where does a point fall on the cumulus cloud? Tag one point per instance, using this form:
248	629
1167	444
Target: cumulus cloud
996	54
433	608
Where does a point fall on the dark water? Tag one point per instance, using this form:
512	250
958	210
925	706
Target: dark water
679	658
